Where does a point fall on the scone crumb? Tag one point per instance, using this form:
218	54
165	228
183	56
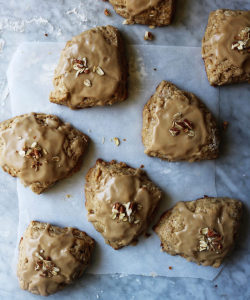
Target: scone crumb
107	12
225	125
116	141
103	140
148	36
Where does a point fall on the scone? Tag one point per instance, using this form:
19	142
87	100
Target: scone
202	231
40	149
148	12
120	201
52	257
177	126
92	70
226	47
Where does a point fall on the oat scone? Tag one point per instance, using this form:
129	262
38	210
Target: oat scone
203	231
52	257
92	70
120	201
148	12
226	47
40	149
177	126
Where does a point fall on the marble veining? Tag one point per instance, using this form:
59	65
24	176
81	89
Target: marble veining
59	20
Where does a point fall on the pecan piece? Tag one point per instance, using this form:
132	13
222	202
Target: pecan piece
174	131
188	123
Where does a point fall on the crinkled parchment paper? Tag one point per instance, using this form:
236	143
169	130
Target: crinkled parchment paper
30	81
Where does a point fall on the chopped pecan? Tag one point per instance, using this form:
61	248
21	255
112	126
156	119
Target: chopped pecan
179	124
188	124
125	212
174	131
46	266
210	240
242	41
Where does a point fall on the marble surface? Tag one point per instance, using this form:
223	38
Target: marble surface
60	19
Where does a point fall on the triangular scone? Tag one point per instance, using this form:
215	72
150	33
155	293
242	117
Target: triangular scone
92	70
40	149
120	201
148	12
203	231
52	257
226	47
177	126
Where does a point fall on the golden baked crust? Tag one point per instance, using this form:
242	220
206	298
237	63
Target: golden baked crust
164	133
40	149
203	231
156	13
120	201
52	257
92	70
225	60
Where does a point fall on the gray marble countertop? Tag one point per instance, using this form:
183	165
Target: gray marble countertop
60	19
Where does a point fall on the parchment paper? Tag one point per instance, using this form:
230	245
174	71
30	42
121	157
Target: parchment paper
30	81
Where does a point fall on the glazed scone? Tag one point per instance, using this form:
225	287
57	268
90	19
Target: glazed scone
148	12
226	47
92	70
177	126
40	149
120	201
203	231
52	257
